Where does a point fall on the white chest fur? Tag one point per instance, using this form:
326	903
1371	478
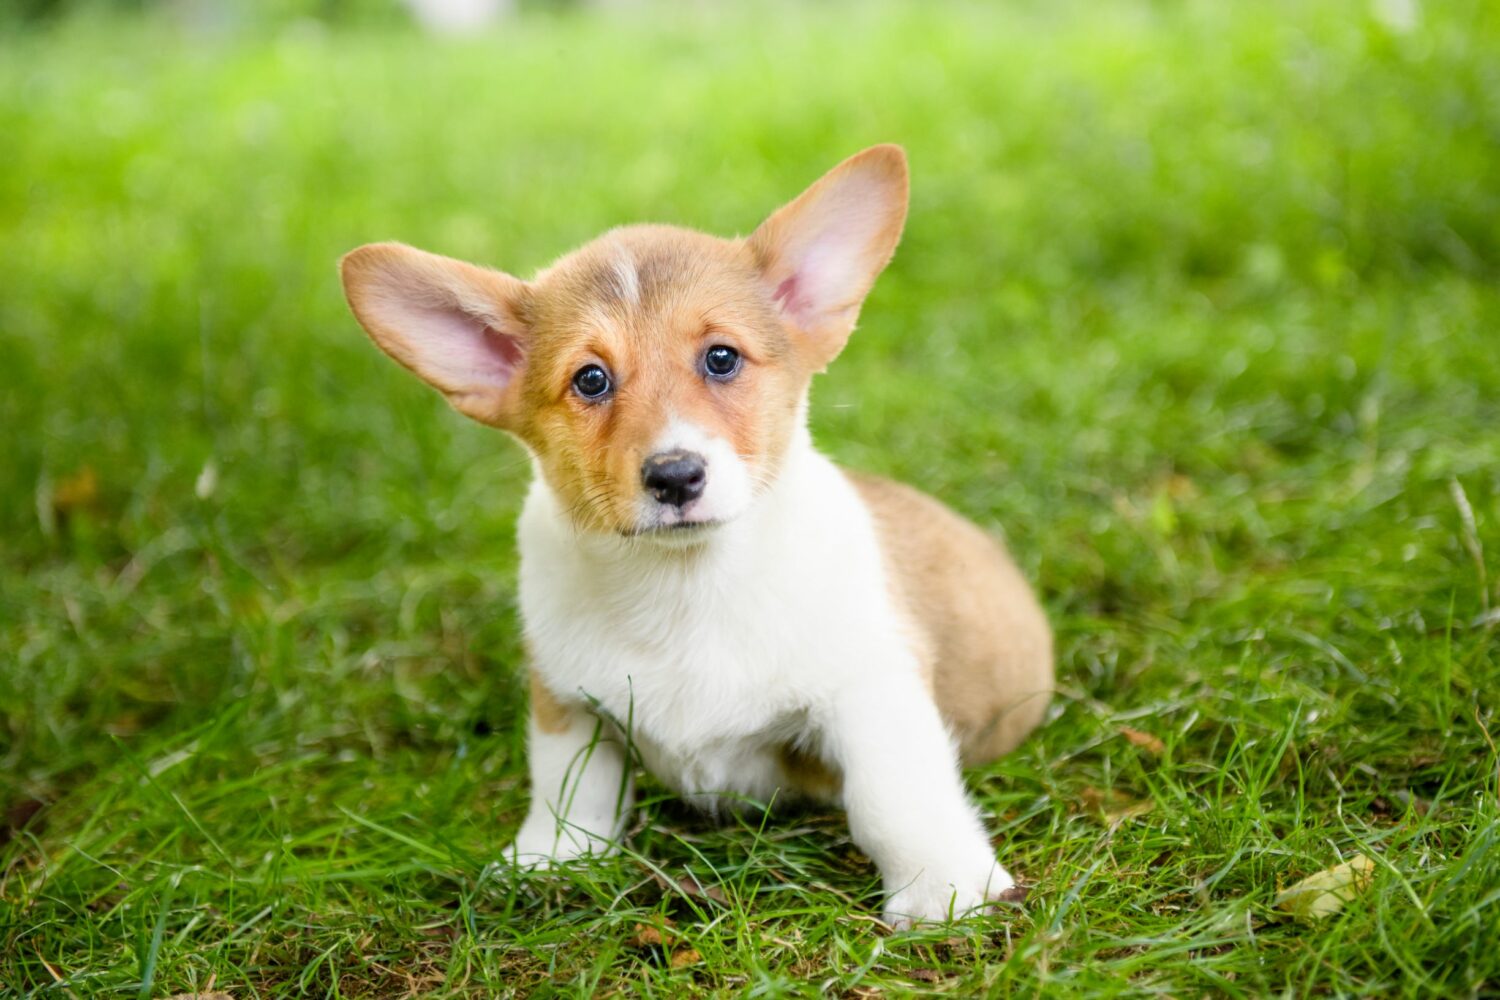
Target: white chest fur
714	657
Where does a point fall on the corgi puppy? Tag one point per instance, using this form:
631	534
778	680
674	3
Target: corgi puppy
699	585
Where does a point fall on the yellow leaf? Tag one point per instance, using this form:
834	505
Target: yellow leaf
1114	806
1144	740
81	489
1323	894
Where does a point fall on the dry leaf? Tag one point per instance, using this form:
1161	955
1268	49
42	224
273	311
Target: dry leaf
690	886
649	936
80	489
20	813
1115	817
1418	805
1180	487
957	946
124	724
685	956
1015	894
1114	807
1143	740
1323	894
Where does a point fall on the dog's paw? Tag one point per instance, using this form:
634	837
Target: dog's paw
935	897
519	855
541	845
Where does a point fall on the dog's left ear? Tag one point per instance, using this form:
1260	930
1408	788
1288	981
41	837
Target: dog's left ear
820	255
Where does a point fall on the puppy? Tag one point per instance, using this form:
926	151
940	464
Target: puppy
697	581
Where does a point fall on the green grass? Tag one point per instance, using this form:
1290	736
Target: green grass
1198	301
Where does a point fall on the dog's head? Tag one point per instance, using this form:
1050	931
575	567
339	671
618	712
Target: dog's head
657	374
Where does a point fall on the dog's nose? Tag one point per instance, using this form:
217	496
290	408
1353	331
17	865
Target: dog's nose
675	477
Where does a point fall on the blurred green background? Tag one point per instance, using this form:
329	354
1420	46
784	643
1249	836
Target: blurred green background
1197	305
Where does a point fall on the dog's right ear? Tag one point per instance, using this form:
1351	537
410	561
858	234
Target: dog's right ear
460	328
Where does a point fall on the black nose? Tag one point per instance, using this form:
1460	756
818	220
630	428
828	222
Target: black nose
675	477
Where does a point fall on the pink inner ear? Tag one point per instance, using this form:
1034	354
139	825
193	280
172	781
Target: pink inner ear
786	296
826	274
459	352
507	347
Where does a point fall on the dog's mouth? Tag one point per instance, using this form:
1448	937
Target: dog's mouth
677	532
676	524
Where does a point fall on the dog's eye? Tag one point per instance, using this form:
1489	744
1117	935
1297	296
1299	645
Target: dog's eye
721	361
591	382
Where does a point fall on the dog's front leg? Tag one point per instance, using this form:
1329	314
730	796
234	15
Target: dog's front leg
581	785
907	806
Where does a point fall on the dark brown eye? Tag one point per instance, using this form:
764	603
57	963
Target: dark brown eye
591	382
721	362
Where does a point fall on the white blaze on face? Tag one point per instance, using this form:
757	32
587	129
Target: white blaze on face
626	277
727	486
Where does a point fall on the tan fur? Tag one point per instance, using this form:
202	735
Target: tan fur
551	715
809	775
989	644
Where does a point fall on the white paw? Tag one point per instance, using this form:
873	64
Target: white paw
540	844
935	896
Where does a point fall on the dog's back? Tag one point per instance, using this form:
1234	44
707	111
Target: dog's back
983	637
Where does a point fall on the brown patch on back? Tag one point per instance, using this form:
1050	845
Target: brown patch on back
975	619
551	715
808	774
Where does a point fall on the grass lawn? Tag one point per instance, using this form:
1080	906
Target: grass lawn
1197	304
